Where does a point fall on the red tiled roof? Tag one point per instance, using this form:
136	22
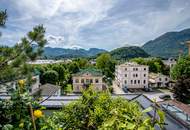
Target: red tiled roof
182	106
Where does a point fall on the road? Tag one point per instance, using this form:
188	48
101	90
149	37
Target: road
155	95
150	95
117	89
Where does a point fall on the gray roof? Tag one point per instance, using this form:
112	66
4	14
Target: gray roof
172	123
48	89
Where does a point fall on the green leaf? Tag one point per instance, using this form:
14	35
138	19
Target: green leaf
147	110
130	126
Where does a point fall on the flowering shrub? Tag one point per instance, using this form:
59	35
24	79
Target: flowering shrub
16	112
94	110
101	111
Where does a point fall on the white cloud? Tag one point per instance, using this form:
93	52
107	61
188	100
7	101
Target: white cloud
96	23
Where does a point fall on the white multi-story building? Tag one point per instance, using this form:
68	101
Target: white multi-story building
132	75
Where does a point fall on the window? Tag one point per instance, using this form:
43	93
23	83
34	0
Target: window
136	69
87	81
82	80
91	80
78	88
138	81
136	75
125	69
133	69
76	80
96	81
133	75
160	79
144	75
144	68
131	81
125	75
135	81
166	79
125	81
144	81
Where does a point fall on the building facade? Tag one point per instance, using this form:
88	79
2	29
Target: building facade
5	86
170	62
158	80
87	77
132	75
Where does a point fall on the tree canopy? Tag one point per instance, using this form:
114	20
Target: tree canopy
100	111
182	68
105	63
13	60
155	65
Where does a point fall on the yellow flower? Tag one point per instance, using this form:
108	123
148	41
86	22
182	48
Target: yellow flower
38	113
21	83
21	125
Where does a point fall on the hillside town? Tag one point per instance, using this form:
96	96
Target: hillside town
127	88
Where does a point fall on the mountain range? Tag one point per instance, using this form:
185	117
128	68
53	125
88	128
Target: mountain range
125	53
50	52
168	45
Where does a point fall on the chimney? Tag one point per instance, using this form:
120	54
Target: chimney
188	45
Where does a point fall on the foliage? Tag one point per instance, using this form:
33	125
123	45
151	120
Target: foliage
100	111
182	89
82	63
15	113
3	18
51	76
105	63
155	65
168	45
182	68
73	67
126	53
13	60
61	72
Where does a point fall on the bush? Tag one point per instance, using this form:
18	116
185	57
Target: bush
100	111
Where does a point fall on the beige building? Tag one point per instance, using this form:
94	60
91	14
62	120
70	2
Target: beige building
132	75
84	78
158	80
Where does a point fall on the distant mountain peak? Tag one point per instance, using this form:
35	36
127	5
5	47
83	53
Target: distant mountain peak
168	45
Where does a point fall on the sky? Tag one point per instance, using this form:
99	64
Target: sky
105	24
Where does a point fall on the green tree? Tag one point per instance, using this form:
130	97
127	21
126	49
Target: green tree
13	60
82	62
73	67
51	76
3	18
182	89
105	63
182	68
100	111
156	65
61	72
15	113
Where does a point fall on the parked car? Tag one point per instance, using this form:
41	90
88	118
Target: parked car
165	97
148	90
125	89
